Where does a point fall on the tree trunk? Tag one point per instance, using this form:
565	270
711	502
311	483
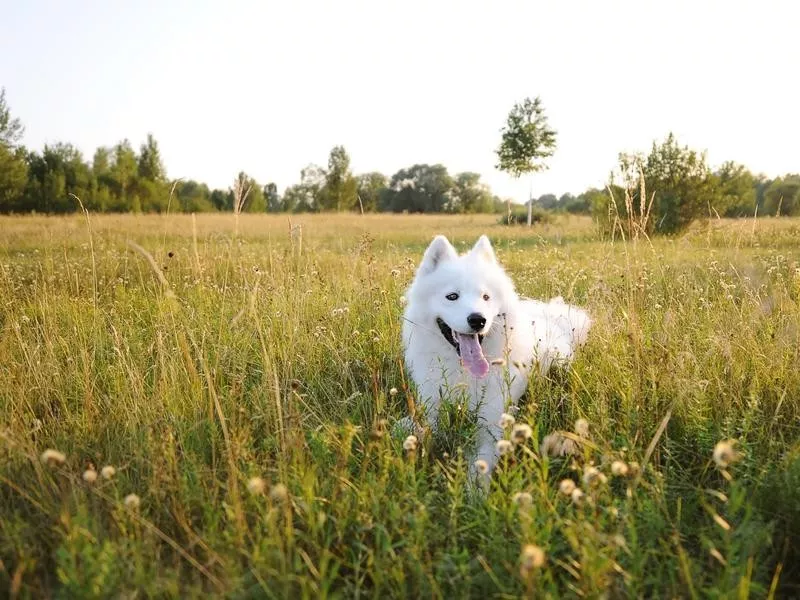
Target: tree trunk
530	205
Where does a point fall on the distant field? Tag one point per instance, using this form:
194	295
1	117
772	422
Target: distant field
269	349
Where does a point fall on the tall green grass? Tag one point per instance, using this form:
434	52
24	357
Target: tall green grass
245	388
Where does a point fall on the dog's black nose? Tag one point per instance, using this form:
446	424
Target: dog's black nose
476	321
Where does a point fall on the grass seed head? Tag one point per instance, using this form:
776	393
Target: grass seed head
506	421
279	492
503	447
532	557
521	433
522	499
256	486
582	428
53	458
619	468
132	502
725	453
566	487
593	477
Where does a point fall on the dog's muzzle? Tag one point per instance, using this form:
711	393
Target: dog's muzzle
447	333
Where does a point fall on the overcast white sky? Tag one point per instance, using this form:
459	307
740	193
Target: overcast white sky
268	87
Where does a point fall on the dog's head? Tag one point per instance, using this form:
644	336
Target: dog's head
462	296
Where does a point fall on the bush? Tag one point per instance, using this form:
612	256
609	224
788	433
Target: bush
519	216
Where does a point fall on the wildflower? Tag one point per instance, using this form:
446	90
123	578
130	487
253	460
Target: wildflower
108	472
521	433
725	454
410	443
256	486
503	447
593	477
582	428
566	487
393	392
522	499
132	501
53	458
619	468
90	475
506	421
577	496
481	466
279	492
633	468
532	557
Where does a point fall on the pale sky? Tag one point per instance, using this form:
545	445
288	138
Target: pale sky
268	87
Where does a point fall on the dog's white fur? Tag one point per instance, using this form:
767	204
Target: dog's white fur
519	335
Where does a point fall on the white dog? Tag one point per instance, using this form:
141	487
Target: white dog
465	328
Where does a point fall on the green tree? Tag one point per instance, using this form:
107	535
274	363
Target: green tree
101	200
272	198
736	190
150	166
370	188
341	188
55	174
13	165
122	176
782	197
470	195
526	143
222	199
678	184
193	196
419	189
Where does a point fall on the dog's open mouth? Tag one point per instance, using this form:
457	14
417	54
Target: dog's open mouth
468	347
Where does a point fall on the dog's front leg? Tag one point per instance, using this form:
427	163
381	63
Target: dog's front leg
498	396
491	406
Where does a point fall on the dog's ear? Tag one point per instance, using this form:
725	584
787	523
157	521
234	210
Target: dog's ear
483	250
439	251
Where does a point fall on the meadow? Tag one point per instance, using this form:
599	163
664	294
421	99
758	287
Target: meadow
242	380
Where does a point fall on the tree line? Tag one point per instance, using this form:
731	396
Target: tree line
120	179
675	185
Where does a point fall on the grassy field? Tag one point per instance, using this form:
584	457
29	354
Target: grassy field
243	380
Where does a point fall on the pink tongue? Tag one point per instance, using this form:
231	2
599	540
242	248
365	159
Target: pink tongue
472	355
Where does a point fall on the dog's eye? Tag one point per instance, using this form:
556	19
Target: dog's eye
486	297
452	297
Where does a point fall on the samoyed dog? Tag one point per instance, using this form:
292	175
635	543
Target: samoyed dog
465	330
